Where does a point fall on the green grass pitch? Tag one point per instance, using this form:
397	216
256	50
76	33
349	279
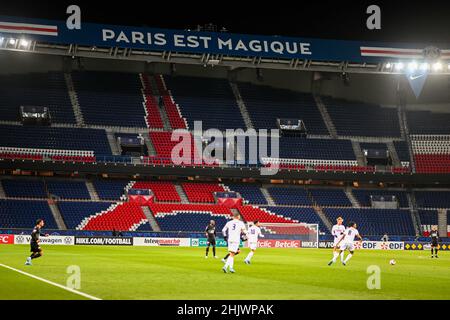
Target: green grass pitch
184	273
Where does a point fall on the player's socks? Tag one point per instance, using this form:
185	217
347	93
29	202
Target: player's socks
35	256
214	251
207	252
28	262
249	256
342	256
335	256
231	259
348	258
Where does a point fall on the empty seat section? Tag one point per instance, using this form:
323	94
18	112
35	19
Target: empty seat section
267	104
305	215
110	98
24	188
189	221
68	189
163	191
363	196
427	122
172	110
35	89
251	193
330	197
376	221
431	153
252	213
201	192
23	214
432	199
290	196
110	189
326	149
164	146
74	212
209	100
403	152
352	118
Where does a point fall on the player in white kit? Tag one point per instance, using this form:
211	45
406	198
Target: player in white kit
233	230
253	233
337	231
346	243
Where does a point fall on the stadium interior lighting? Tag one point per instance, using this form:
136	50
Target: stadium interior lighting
1	41
437	66
399	66
412	66
24	43
12	41
388	65
424	66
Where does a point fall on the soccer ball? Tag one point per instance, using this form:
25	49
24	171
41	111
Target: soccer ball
392	262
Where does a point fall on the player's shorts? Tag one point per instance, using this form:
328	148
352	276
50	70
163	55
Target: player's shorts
35	247
253	245
212	241
347	246
335	242
434	243
233	247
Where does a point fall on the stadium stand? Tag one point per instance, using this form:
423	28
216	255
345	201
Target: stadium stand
68	189
35	89
192	221
208	100
363	196
252	213
376	221
110	98
110	189
432	199
330	197
74	212
431	153
290	196
24	188
267	104
249	192
353	118
201	192
403	152
428	123
307	215
163	191
172	109
24	213
428	218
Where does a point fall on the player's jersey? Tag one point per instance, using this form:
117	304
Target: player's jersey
35	236
211	231
434	235
253	233
350	234
337	231
233	230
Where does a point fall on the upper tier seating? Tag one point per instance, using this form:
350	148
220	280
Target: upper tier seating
164	146
362	119
24	188
74	212
290	196
402	151
201	192
110	98
249	192
153	116
68	189
376	221
267	104
35	89
110	189
366	145
363	196
208	100
163	191
55	138
432	199
428	217
431	153
330	197
189	221
172	110
427	122
126	216
23	214
306	215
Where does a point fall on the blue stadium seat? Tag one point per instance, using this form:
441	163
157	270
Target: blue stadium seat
290	196
363	196
189	221
23	214
110	189
330	197
432	199
306	215
402	151
24	188
249	192
73	212
427	122
68	189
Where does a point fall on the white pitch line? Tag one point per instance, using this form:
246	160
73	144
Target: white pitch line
51	282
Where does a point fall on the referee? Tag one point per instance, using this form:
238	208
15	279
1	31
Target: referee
210	233
434	235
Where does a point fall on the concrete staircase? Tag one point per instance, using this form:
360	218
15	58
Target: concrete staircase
161	107
151	219
241	105
183	196
268	197
2	192
394	155
92	192
115	148
404	126
74	100
57	216
351	197
358	153
442	222
414	212
150	147
323	217
326	116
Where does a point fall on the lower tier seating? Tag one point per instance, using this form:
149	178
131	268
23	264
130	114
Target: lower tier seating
306	215
252	213
163	191
68	189
191	221
201	192
74	212
24	188
363	196
250	193
432	199
23	214
290	196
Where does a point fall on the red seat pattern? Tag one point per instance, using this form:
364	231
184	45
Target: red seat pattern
172	110
152	110
126	217
201	192
159	208
163	191
432	163
251	213
20	156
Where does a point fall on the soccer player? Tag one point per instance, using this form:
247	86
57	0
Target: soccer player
210	232
347	243
337	231
36	250
233	230
434	235
253	233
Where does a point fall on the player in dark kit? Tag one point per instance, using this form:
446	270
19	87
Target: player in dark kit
210	232
434	235
36	250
